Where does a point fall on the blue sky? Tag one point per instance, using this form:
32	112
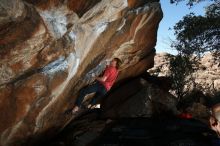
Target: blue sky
172	14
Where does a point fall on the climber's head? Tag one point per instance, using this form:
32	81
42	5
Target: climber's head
116	62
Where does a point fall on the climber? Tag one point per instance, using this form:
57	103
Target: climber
101	86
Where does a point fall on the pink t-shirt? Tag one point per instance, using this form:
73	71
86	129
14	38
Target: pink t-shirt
111	74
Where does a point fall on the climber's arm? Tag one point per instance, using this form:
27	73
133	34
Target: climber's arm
101	79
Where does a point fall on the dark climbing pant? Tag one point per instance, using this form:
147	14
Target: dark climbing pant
96	88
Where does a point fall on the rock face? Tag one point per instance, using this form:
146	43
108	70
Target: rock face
207	76
161	65
49	49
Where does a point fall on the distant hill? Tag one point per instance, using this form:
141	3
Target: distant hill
207	76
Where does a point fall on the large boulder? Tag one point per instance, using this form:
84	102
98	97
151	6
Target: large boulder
139	98
49	49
